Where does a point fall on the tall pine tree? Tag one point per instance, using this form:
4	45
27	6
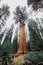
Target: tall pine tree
36	42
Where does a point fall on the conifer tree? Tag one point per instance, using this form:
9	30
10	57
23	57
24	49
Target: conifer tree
35	3
4	13
36	41
20	16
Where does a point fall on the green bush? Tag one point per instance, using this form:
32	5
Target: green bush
41	56
34	57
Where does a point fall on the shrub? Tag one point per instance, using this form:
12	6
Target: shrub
34	57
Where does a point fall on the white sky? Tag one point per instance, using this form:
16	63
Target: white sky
12	4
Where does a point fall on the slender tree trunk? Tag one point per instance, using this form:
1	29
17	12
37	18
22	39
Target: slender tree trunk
22	43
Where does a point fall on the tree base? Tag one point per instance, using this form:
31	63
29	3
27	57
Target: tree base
22	52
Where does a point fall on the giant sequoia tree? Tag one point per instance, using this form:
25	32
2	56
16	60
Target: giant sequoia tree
21	16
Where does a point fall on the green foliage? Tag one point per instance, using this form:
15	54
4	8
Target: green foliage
36	42
20	15
34	57
7	44
6	57
28	46
41	31
1	35
41	56
14	45
1	52
5	49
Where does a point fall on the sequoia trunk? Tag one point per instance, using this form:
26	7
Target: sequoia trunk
22	43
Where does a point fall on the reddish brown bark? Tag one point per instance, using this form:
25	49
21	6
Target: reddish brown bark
22	43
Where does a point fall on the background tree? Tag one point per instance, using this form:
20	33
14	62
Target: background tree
4	13
36	42
35	3
6	47
15	45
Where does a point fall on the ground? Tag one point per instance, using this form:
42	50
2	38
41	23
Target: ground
19	60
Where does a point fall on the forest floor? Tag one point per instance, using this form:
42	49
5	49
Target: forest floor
19	60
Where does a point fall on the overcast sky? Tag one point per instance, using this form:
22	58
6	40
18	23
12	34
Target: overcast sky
13	4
